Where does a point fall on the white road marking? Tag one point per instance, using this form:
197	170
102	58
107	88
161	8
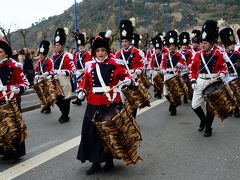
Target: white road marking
35	161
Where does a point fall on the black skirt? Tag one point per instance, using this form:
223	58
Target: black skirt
91	147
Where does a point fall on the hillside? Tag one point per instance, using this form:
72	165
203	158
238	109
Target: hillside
99	15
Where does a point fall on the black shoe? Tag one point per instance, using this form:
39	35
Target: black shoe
64	119
13	160
155	95
93	169
208	132
108	166
77	102
236	113
4	158
185	100
43	110
60	119
173	111
48	111
201	127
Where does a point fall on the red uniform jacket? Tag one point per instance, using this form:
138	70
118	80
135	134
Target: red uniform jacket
176	57
11	76
214	61
188	56
67	65
112	71
132	57
43	66
153	62
84	57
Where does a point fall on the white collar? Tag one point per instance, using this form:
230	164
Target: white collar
3	60
99	61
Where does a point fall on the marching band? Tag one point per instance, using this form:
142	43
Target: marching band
186	66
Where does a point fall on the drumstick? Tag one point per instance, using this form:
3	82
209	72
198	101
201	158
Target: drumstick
6	94
114	87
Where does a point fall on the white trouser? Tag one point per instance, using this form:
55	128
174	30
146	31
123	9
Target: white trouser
167	77
197	92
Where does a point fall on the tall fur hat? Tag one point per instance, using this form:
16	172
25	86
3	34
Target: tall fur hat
44	47
157	42
106	35
184	38
98	43
196	36
171	37
5	46
227	36
209	31
126	29
80	39
135	40
60	36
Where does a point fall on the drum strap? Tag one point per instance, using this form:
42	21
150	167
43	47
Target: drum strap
156	60
60	67
125	62
103	84
80	59
204	62
229	60
170	59
3	90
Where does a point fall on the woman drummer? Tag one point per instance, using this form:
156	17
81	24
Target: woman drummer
12	84
44	68
101	76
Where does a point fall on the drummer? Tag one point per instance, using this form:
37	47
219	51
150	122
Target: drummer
184	40
44	68
102	74
228	40
172	62
132	58
207	64
12	84
155	62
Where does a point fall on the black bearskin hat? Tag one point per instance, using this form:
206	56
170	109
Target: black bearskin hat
184	38
238	34
196	36
44	47
126	29
227	36
157	42
80	39
60	36
209	31
5	46
171	37
135	40
106	35
98	43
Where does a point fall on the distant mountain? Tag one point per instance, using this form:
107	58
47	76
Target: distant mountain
99	15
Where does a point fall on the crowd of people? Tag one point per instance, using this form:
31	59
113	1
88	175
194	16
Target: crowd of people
188	63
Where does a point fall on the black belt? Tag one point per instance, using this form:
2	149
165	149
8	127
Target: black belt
204	78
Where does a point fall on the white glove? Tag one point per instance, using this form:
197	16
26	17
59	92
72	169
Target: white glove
138	72
62	73
36	77
49	77
46	74
81	95
164	71
3	88
16	90
127	82
151	72
179	65
78	73
222	76
194	85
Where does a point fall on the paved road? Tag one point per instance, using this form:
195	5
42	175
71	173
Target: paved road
171	149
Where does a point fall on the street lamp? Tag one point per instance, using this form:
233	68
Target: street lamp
75	20
165	11
119	19
147	22
193	20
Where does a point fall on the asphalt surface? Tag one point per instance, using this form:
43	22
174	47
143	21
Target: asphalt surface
172	148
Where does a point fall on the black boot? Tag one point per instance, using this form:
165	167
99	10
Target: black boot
202	117
236	112
93	169
170	104
159	94
173	110
64	119
48	109
185	99
108	165
77	102
208	130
